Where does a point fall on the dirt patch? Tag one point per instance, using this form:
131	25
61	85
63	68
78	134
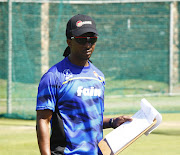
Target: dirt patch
13	127
172	124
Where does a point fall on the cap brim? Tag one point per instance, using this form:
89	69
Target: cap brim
84	30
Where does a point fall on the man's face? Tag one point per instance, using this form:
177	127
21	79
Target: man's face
82	51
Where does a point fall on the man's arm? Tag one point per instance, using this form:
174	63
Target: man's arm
115	122
42	130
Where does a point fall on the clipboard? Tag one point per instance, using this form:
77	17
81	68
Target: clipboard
106	150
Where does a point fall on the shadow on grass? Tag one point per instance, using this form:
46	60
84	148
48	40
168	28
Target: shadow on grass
175	132
17	116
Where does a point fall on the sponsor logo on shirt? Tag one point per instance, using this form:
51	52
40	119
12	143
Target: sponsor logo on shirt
88	91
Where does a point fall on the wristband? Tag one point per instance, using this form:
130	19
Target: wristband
111	122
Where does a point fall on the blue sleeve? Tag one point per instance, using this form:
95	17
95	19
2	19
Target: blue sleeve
46	97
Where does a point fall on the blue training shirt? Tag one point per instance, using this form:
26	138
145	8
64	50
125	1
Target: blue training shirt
75	94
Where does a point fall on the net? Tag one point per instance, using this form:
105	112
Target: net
132	49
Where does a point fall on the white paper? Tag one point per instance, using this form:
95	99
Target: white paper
151	114
142	119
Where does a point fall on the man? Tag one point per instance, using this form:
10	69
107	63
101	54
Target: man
71	97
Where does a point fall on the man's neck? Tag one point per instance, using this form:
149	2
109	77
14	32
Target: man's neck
84	63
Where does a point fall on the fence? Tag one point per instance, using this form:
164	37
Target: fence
137	50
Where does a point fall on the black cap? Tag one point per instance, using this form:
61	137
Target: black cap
80	24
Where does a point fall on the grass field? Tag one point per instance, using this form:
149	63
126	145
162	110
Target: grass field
24	97
126	105
18	137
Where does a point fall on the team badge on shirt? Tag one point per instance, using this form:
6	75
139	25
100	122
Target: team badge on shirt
95	74
99	77
67	74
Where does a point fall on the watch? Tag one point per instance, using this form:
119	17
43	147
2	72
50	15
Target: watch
111	122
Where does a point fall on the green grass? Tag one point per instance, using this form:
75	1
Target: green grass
3	86
155	144
164	140
125	105
160	142
113	87
19	137
117	105
134	86
24	97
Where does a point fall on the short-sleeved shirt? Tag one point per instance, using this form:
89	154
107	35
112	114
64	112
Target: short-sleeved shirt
75	94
